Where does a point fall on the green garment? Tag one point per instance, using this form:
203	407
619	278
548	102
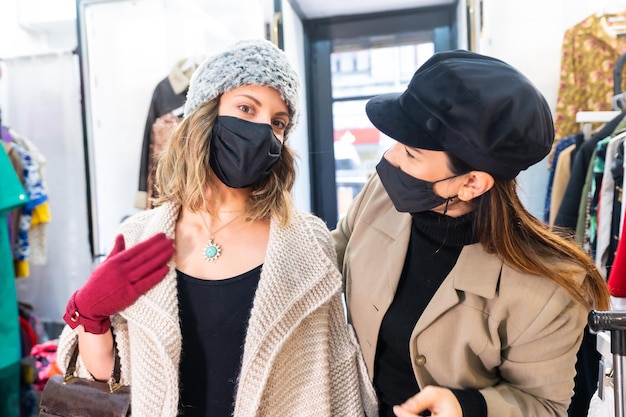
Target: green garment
12	195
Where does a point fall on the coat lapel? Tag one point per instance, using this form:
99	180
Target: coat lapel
463	278
396	229
153	328
294	281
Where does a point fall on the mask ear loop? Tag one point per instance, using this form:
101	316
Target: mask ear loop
445	209
445	237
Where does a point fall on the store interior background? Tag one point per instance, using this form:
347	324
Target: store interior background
40	95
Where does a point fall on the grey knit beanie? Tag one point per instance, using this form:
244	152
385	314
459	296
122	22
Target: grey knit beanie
257	62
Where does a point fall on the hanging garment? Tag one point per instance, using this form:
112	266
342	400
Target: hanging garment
161	131
591	221
617	170
14	215
562	173
604	220
567	215
12	195
33	182
589	54
169	95
562	145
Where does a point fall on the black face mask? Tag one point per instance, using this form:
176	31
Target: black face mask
242	152
409	194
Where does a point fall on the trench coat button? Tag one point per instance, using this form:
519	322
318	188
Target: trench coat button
420	360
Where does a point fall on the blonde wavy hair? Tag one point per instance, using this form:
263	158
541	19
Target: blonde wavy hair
183	173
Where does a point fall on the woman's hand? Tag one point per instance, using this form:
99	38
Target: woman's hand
440	401
118	282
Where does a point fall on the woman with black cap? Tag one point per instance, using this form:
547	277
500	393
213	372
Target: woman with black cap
464	304
224	300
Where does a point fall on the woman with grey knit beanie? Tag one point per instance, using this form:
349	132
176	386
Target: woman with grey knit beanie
224	299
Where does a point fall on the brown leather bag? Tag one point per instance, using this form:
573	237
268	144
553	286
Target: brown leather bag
70	396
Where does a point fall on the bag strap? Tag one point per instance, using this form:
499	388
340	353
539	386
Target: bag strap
114	380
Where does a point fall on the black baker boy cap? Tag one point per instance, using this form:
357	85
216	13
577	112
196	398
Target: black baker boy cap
478	108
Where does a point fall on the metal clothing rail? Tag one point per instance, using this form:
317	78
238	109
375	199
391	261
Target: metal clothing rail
615	323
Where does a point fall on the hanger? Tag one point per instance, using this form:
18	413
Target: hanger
178	112
191	63
619	101
614	20
615	13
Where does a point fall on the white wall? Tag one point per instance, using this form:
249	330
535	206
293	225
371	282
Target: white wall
24	30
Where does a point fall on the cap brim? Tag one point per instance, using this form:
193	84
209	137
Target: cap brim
387	115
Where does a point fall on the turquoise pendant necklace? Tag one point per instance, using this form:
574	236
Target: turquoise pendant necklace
213	250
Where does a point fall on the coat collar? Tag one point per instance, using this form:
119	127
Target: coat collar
397	227
474	258
463	277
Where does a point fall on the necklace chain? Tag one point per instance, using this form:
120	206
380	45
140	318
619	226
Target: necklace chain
213	250
212	234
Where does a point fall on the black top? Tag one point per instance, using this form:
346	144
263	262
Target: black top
214	317
435	244
164	100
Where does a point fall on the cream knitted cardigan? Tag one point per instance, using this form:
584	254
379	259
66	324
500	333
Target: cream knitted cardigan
300	357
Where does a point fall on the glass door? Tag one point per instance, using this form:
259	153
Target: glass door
350	60
361	69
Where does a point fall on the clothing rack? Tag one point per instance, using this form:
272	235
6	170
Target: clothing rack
586	118
614	347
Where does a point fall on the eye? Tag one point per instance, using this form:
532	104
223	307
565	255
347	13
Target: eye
246	109
279	124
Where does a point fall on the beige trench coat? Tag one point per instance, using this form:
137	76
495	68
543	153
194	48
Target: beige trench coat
512	335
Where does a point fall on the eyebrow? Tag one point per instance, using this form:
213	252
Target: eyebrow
258	103
416	150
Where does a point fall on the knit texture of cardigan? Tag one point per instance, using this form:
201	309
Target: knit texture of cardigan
300	357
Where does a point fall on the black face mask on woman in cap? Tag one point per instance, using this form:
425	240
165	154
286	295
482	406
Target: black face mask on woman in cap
409	194
242	152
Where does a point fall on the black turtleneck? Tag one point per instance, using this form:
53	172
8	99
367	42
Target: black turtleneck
434	247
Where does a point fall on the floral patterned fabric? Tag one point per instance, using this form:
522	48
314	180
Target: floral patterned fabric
590	52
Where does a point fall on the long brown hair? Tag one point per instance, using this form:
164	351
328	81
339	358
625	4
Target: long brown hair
507	229
183	173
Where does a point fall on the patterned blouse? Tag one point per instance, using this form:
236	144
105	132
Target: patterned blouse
590	52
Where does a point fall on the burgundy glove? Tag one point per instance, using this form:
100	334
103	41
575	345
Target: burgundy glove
118	282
